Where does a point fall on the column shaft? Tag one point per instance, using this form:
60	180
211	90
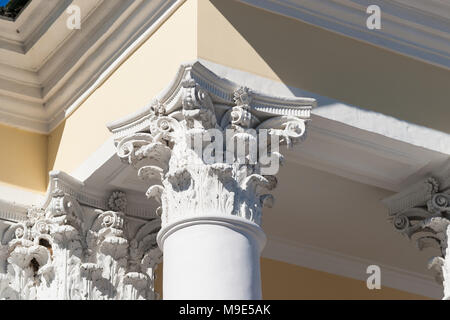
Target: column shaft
212	258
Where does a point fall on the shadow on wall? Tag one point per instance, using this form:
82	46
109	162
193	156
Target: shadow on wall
341	68
54	141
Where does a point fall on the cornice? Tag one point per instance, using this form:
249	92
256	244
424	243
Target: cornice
408	27
54	85
19	35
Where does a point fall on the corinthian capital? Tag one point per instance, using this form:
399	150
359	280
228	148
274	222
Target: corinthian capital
209	146
422	213
79	246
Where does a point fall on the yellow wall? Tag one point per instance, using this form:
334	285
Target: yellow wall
23	160
132	86
283	281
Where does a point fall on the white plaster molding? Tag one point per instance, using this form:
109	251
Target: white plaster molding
13	212
104	154
397	152
93	196
348	266
75	68
408	27
18	196
19	35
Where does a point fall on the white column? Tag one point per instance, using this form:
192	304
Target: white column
212	258
211	207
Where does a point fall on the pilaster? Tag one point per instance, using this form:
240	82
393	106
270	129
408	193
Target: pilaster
68	250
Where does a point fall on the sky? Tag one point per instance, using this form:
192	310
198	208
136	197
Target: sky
3	3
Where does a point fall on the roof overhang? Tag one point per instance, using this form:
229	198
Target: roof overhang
46	68
415	28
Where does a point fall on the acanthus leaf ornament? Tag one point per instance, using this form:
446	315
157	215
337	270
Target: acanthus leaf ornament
201	108
61	252
422	213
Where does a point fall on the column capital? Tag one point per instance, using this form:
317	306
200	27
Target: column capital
422	213
203	116
209	151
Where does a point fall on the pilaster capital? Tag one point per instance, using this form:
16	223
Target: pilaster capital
422	213
67	250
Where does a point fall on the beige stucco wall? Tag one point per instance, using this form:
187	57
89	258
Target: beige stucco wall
283	281
23	160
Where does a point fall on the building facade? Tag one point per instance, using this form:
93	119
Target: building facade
109	109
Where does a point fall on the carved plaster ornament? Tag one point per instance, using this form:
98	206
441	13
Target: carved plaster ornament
59	252
422	213
180	180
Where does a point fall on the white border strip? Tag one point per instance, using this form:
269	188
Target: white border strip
349	266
